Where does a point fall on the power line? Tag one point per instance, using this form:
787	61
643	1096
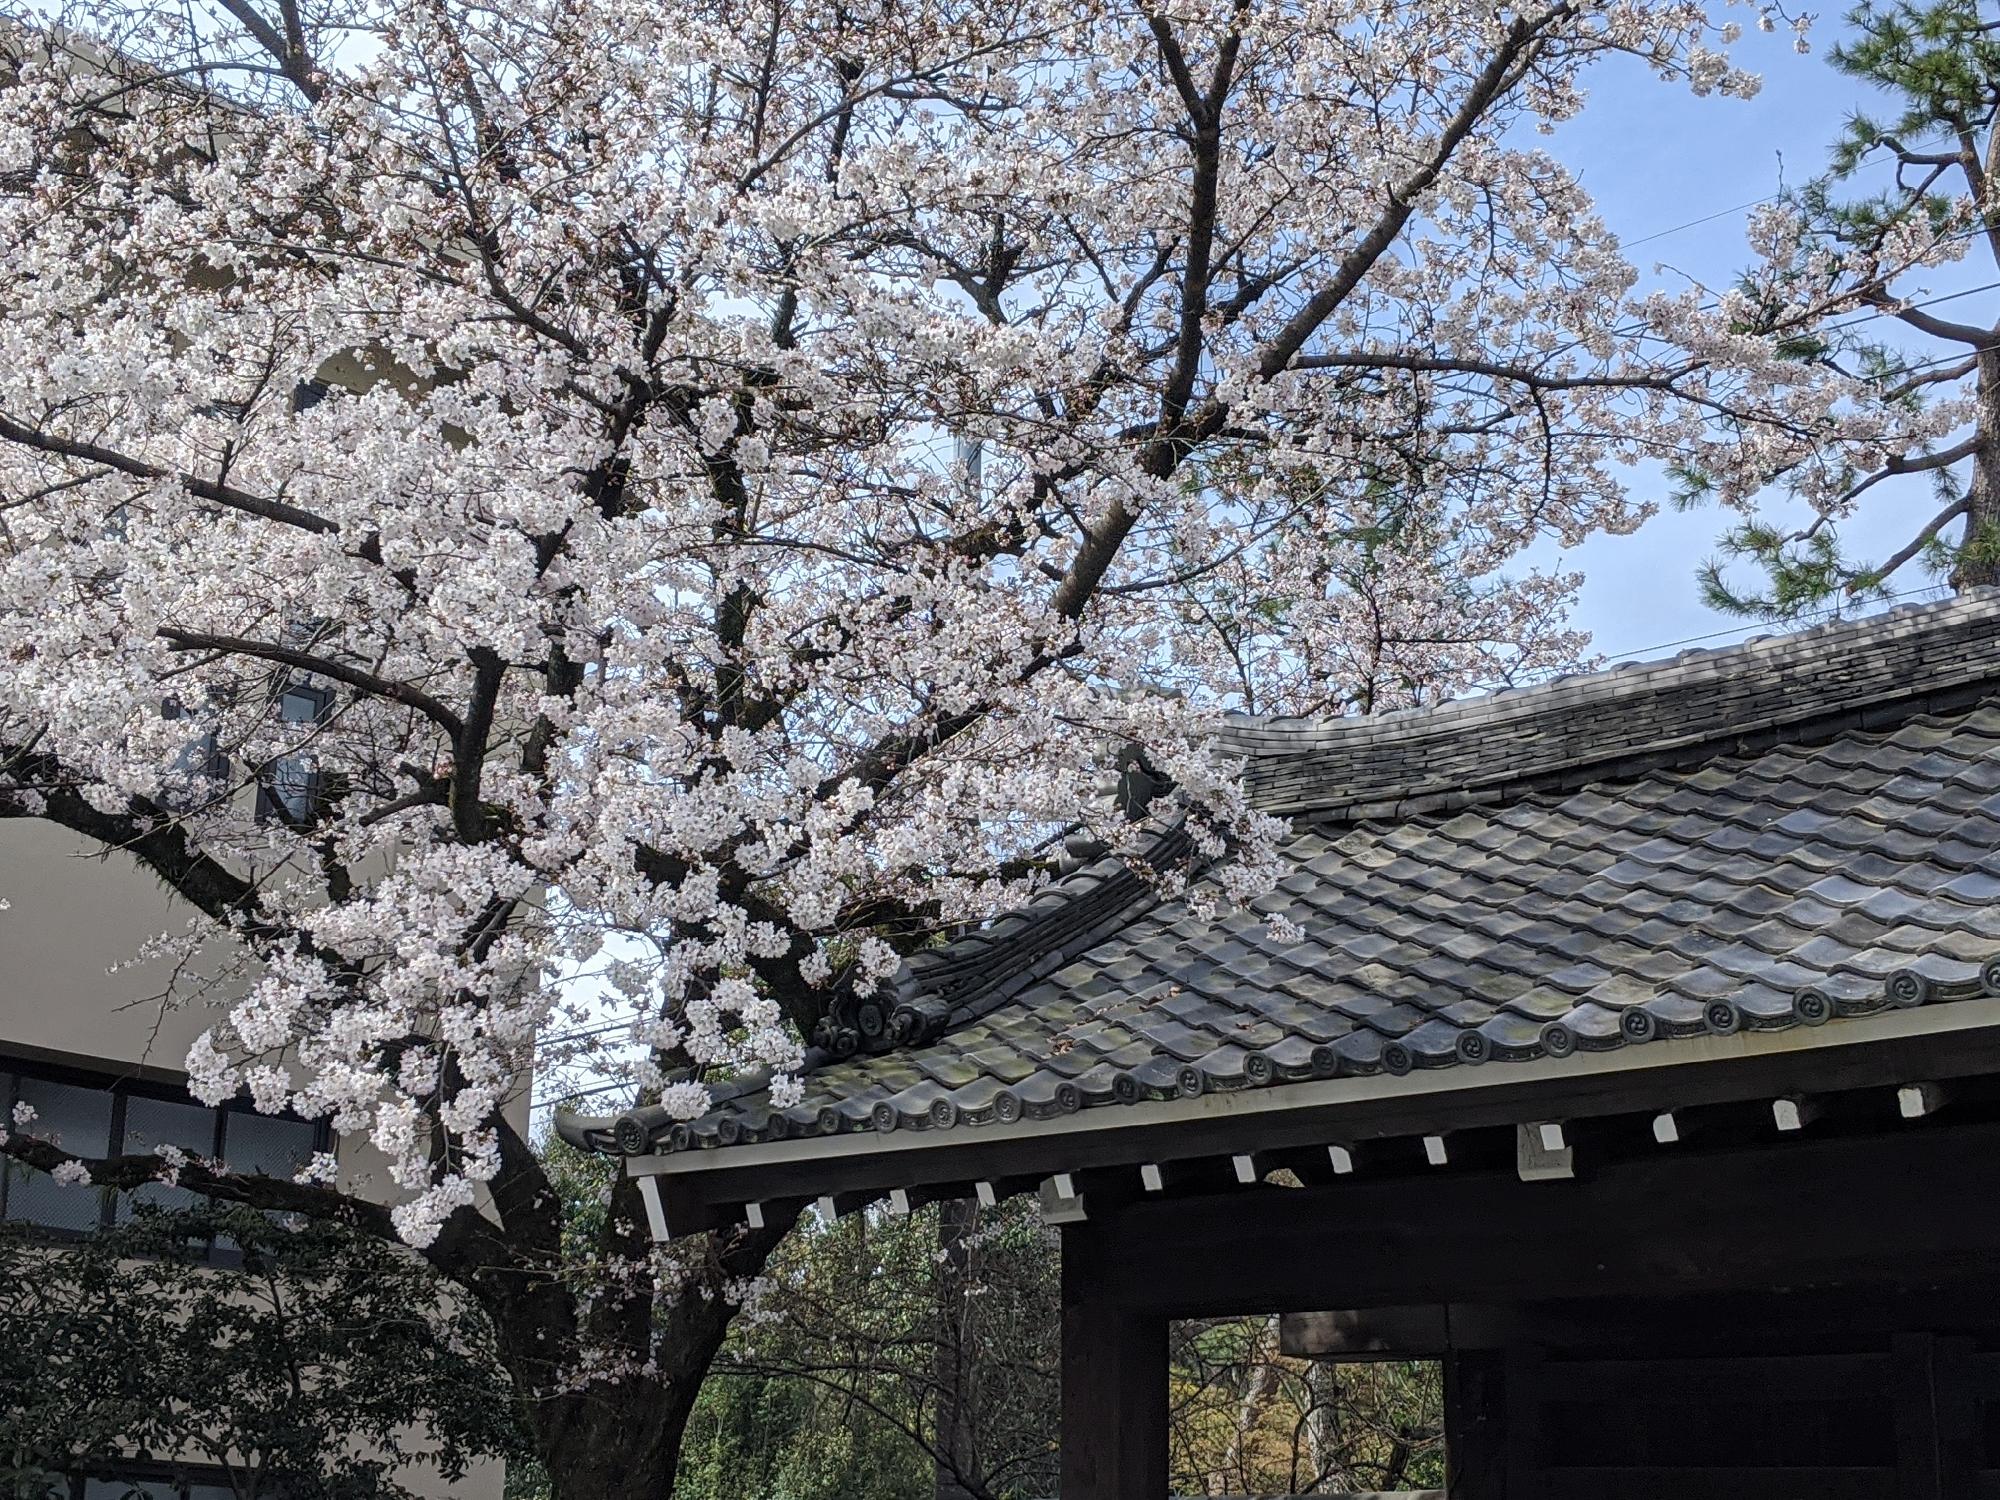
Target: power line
1816	616
1720	213
1971	291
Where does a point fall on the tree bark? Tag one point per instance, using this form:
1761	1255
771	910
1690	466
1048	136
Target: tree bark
1979	558
618	1437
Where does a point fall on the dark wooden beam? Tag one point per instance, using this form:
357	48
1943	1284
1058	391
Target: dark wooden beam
1135	1135
1801	1212
1114	1381
1367	1333
1475	1425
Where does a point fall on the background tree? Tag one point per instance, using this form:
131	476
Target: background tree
318	1367
728	479
1245	1419
1839	286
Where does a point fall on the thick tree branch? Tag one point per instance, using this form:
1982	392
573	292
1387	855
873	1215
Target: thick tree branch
321	666
1915	545
202	489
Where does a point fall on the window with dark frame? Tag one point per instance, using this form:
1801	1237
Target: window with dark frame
101	1115
145	1481
198	771
289	787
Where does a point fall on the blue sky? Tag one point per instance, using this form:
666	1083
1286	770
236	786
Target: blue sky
1655	157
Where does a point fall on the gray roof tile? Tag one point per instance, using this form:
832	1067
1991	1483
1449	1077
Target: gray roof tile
1622	881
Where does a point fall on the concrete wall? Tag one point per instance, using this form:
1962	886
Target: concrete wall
75	912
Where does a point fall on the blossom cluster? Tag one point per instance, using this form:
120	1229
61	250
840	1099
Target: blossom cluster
586	506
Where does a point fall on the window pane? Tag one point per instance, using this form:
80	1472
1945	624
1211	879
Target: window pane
164	1122
291	783
190	780
302	705
291	787
79	1120
129	1489
270	1144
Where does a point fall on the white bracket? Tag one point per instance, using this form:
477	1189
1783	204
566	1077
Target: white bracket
1537	1160
1061	1202
656	1213
1916	1100
1793	1114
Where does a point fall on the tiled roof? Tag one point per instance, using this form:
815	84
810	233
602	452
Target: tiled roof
1781	834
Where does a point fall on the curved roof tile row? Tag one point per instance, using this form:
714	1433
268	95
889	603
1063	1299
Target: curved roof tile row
1791	885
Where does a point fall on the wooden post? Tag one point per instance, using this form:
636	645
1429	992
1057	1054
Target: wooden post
1919	1471
1114	1380
1522	1440
1475	1424
1936	1423
957	1218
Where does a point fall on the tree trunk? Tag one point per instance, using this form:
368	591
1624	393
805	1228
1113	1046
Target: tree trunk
618	1437
1260	1385
1324	1438
1979	557
620	1441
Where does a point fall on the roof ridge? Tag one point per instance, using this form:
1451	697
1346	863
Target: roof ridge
1262	735
938	988
1626	720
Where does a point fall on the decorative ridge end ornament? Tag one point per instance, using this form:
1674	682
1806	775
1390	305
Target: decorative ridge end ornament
935	989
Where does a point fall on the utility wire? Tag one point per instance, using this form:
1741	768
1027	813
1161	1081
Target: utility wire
1971	291
1720	213
1816	616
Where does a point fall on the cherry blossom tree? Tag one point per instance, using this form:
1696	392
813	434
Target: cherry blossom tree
691	500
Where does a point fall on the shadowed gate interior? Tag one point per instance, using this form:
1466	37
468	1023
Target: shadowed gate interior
1738	1322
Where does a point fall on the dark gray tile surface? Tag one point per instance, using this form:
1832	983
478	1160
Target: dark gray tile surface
1762	883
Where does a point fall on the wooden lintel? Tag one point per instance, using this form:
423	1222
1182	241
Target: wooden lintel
1367	1333
1498	1096
1832	1208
